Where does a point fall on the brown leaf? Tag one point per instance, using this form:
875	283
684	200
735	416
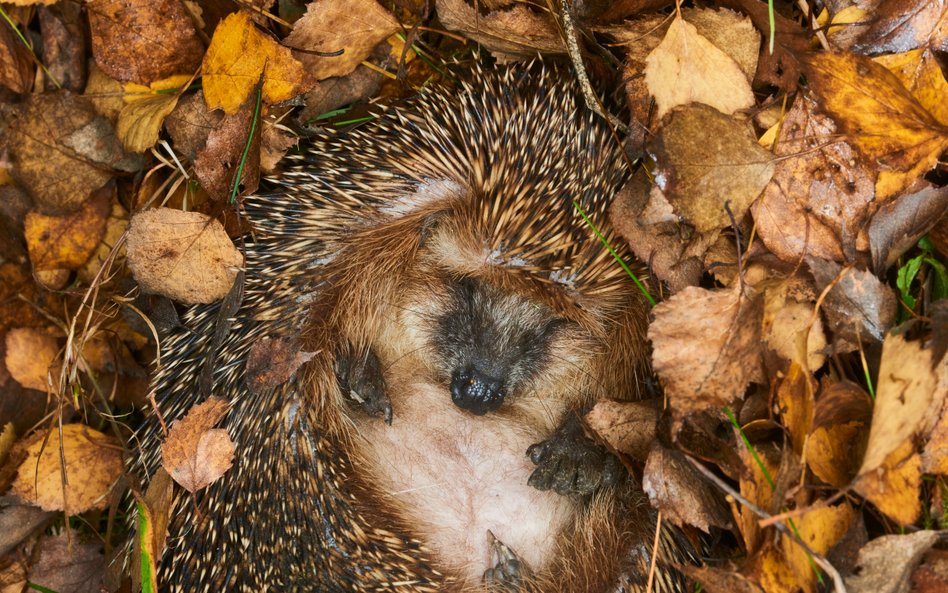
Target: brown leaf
687	68
707	160
16	64
880	117
790	328
859	306
182	255
719	580
217	164
680	493
65	45
935	454
143	40
194	454
67	566
275	141
93	465
932	574
240	57
512	32
900	223
906	399
706	347
819	197
67	242
190	123
61	150
897	26
886	562
353	26
30	353
837	440
626	427
271	362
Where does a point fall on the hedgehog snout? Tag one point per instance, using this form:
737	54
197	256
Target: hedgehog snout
475	391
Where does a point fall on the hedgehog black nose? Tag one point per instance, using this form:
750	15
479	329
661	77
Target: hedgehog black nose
475	391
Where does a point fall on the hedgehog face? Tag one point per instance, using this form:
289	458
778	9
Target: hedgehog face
490	343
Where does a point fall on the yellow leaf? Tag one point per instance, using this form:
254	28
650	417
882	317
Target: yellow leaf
136	92
920	74
881	117
239	57
895	486
67	242
820	529
29	354
139	122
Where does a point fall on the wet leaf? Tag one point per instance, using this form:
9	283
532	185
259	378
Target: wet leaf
93	465
240	57
195	454
898	224
218	163
898	26
185	256
353	26
687	68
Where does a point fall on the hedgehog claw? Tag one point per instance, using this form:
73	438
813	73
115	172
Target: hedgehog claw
509	571
360	377
571	464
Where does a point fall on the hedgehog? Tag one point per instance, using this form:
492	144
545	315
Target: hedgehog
463	316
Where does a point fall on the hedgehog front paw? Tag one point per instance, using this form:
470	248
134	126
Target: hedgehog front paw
360	377
571	464
508	572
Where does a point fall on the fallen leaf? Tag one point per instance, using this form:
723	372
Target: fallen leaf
143	40
217	164
820	529
185	256
837	441
879	116
682	495
920	74
819	196
140	120
687	68
93	465
790	328
707	161
795	404
900	223
353	26
275	141
935	454
271	362
240	57
894	486
932	573
195	454
858	306
67	242
775	574
190	123
16	64
626	427
720	580
886	562
30	354
898	26
66	565
906	398
65	44
706	347
507	33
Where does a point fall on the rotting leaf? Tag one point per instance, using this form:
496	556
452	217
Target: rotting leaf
190	123
858	306
880	117
185	256
706	347
29	355
272	361
840	431
687	68
218	163
819	196
195	454
65	44
67	242
886	562
706	160
353	26
93	467
680	493
143	40
239	58
66	565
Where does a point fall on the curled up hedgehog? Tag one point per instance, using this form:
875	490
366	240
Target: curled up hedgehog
463	315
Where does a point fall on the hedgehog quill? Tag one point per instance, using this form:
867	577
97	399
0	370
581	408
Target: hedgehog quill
463	316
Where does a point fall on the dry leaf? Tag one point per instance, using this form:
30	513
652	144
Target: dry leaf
687	68
143	40
185	256
626	427
920	74
240	57
271	362
880	117
790	328
706	347
30	353
858	306
65	45
906	397
190	123
16	64
67	242
706	161
820	529
774	573
819	197
353	26
93	467
682	496
720	580
837	441
217	164
935	454
140	120
67	566
195	454
507	33
894	486
886	562
795	404
897	25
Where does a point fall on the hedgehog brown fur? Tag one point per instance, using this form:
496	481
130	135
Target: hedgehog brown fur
440	243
